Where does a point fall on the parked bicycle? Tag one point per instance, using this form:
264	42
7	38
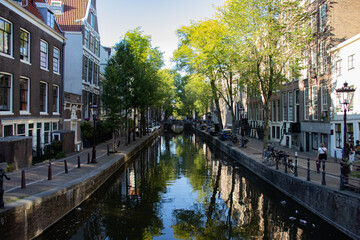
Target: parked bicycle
273	155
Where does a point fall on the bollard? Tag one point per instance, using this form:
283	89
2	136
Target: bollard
108	150
2	175
23	185
277	164
323	182
308	170
49	172
66	167
286	163
296	164
88	158
342	185
79	162
335	157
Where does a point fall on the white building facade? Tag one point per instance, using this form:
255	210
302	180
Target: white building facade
345	68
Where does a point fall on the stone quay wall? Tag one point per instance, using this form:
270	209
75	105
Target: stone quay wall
29	217
336	207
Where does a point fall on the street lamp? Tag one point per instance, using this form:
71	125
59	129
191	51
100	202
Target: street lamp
94	113
345	97
241	110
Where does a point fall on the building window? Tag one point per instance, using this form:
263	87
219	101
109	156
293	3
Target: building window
5	36
5	92
351	62
322	17
50	19
315	141
306	104
96	48
338	67
324	102
314	59
43	97
284	103
91	47
24	94
55	99
54	126
8	131
24	45
291	113
313	22
86	38
47	133
21	130
90	72
278	109
85	70
56	60
96	77
92	20
44	54
323	59
338	135
314	102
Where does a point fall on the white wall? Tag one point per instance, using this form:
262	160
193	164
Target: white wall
73	63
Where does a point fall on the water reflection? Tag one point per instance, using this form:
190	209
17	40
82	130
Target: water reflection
180	188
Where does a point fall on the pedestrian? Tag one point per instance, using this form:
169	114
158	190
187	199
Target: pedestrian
322	155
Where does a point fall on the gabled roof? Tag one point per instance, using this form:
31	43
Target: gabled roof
74	12
32	8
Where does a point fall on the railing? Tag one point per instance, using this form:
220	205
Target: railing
303	166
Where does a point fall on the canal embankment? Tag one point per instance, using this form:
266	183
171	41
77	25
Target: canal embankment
30	210
339	208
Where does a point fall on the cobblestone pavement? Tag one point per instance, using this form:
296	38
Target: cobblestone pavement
36	177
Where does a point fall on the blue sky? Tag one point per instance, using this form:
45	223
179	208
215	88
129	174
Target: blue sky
158	18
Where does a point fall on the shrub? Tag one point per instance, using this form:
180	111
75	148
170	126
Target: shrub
60	155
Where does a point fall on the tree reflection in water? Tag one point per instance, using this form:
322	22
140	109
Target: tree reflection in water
181	188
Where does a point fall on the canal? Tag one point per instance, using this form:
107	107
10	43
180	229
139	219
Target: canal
181	188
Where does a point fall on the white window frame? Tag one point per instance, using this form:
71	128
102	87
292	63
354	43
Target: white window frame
314	102
27	111
323	58
47	140
50	19
10	111
306	103
290	107
10	44
46	98
56	103
322	17
284	106
27	58
45	55
324	102
56	59
351	62
338	67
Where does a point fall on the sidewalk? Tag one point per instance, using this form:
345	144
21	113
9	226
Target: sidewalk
36	177
332	165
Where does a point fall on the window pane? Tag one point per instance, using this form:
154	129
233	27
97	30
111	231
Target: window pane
43	95
5	87
24	86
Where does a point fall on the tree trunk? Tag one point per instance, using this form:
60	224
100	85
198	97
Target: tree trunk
134	128
217	104
267	106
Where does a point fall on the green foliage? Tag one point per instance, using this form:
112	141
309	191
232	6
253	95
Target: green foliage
60	155
87	130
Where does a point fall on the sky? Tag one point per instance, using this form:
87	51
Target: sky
158	18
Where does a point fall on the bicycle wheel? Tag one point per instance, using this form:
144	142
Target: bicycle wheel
291	166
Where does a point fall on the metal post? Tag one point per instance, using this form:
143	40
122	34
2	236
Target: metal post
93	159
342	186
49	172
88	158
277	164
335	156
66	167
323	182
79	166
296	164
308	170
23	184
285	163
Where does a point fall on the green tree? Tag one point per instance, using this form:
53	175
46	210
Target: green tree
272	35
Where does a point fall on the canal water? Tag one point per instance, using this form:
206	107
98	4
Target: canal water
181	188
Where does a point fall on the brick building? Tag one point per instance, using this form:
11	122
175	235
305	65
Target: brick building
31	69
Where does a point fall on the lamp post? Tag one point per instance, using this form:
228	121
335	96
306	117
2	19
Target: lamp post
94	113
345	98
241	110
